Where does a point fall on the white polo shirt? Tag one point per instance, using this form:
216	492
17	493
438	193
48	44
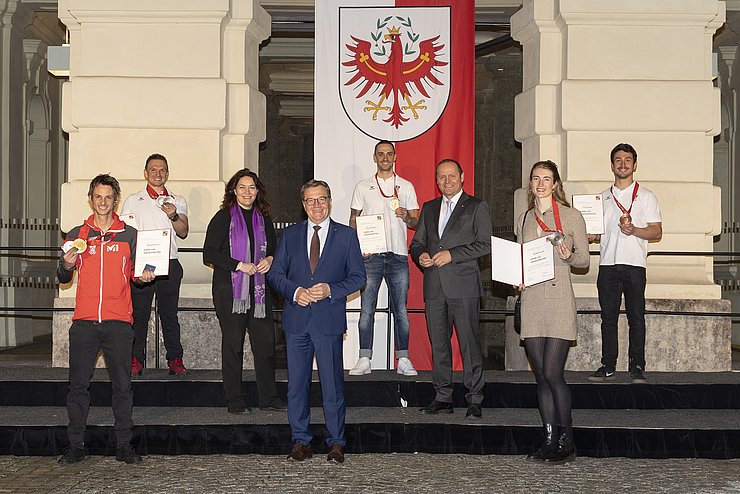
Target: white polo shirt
616	247
368	199
149	216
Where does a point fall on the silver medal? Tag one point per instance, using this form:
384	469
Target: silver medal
162	200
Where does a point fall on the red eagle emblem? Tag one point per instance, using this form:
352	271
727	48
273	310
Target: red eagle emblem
396	76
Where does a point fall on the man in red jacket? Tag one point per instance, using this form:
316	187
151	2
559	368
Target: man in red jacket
102	251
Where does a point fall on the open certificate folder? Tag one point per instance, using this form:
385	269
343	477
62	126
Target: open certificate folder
516	264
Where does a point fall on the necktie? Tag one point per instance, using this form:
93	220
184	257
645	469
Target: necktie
448	213
313	258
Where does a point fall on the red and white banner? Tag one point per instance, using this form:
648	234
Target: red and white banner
402	71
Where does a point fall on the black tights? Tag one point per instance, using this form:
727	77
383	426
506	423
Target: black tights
547	357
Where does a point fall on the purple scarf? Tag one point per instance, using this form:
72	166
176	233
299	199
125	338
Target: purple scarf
241	251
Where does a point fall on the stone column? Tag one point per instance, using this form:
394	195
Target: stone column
597	73
177	77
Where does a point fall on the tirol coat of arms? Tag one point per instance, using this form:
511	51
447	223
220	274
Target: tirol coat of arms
394	69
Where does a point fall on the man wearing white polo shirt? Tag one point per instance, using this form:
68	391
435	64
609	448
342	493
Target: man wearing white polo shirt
631	219
395	198
156	208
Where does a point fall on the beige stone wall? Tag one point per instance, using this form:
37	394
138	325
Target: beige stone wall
177	77
597	73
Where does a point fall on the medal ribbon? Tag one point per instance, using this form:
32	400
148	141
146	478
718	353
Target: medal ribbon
556	213
395	194
619	205
85	233
154	194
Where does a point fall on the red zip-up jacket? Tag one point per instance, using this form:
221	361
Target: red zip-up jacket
104	271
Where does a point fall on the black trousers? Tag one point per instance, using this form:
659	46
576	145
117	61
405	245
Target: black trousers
168	296
612	282
441	313
261	338
86	339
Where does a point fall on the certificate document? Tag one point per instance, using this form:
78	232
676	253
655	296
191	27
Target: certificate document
371	233
591	207
153	250
516	264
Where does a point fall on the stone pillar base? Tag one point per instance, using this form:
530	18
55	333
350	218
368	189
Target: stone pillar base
200	336
672	343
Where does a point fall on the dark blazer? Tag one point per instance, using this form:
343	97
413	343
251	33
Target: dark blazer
340	266
467	237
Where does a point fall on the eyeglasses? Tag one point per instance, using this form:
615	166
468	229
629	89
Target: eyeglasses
311	200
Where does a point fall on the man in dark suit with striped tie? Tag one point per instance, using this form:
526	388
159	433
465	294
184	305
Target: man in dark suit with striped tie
317	265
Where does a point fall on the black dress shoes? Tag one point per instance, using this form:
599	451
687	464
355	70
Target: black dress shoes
239	410
301	452
127	454
336	454
71	456
474	412
274	406
436	407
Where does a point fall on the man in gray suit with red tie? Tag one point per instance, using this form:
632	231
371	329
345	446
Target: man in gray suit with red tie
317	265
453	232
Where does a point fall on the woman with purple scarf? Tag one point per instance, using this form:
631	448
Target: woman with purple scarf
240	242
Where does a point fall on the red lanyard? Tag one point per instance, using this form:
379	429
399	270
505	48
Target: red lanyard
619	205
381	189
154	194
85	233
556	213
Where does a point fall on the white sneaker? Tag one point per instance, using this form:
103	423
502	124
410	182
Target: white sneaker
361	368
405	367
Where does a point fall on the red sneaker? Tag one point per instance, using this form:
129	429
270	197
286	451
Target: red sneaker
176	367
136	367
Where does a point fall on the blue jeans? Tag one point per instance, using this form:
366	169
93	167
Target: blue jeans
395	270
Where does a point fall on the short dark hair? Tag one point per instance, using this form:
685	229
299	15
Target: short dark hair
105	179
260	202
156	156
448	160
316	183
380	143
623	147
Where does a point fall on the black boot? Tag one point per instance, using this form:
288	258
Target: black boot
547	447
565	450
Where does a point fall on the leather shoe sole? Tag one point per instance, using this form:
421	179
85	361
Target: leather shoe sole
240	411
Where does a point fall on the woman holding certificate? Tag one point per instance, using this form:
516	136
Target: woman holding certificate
548	309
240	242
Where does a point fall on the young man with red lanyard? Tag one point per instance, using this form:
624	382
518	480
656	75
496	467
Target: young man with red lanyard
387	194
631	219
102	251
156	208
